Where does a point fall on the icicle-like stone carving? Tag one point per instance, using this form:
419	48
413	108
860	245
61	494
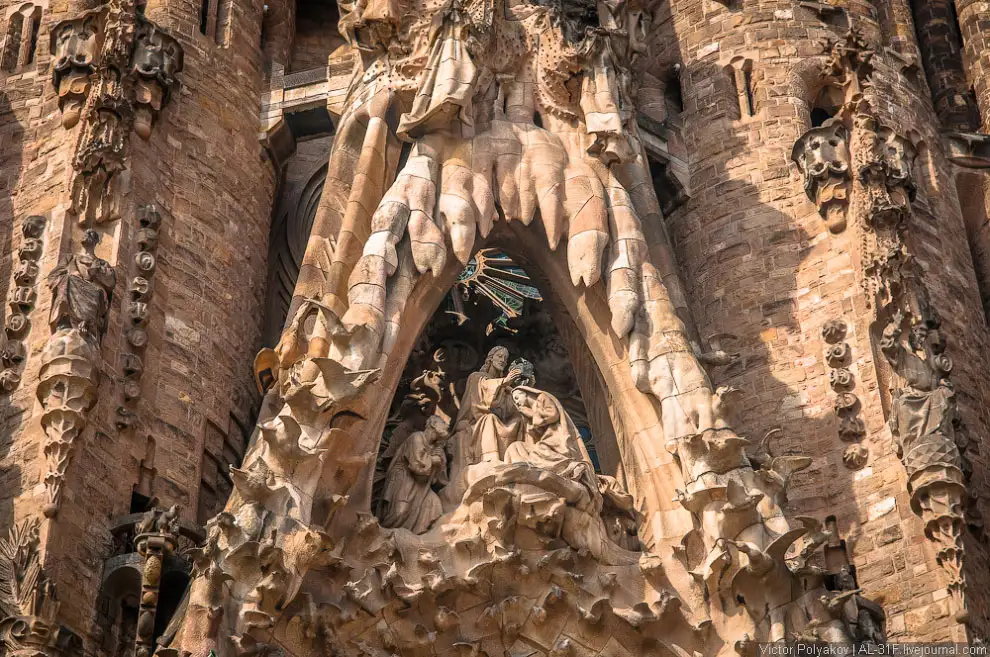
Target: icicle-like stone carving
498	139
70	368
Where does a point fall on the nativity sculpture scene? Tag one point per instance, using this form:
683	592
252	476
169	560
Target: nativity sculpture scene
472	123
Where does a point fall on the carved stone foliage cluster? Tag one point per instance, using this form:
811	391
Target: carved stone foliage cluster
852	429
923	418
22	300
511	113
80	286
157	537
27	596
114	71
137	309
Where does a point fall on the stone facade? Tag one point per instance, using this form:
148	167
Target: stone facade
253	256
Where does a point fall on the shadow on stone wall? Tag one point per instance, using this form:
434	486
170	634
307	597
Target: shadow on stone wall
11	143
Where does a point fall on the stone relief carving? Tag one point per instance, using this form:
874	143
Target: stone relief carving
419	463
822	156
75	47
851	427
922	418
27	597
13	352
81	286
157	536
526	554
136	312
114	71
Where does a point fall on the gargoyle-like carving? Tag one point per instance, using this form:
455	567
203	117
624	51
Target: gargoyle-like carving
156	59
75	47
822	156
27	596
80	286
114	70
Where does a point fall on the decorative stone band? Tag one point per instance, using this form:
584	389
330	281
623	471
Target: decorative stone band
136	312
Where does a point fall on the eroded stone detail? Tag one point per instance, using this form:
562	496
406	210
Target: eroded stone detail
21	303
70	368
491	115
822	156
136	313
852	429
114	70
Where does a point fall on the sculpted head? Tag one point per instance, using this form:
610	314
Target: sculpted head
496	360
436	428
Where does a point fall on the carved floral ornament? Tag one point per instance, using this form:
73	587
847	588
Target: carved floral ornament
114	70
530	104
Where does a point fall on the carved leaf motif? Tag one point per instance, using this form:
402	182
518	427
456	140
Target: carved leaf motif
20	569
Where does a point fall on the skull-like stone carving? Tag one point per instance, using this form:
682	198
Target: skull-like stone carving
156	59
75	45
822	155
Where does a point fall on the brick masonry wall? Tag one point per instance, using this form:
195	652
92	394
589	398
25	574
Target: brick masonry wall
759	263
209	177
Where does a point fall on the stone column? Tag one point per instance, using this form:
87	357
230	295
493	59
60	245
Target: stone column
941	49
974	23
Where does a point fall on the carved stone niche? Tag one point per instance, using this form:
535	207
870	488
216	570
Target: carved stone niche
156	59
75	45
822	156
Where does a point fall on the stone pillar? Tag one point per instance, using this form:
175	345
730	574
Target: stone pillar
941	52
974	23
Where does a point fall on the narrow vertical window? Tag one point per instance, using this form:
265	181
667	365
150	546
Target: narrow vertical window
204	16
224	10
32	38
12	41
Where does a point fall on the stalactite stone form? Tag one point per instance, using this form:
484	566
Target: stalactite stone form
27	597
822	156
70	371
157	534
114	70
23	297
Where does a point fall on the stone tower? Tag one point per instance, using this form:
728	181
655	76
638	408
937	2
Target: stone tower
428	327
